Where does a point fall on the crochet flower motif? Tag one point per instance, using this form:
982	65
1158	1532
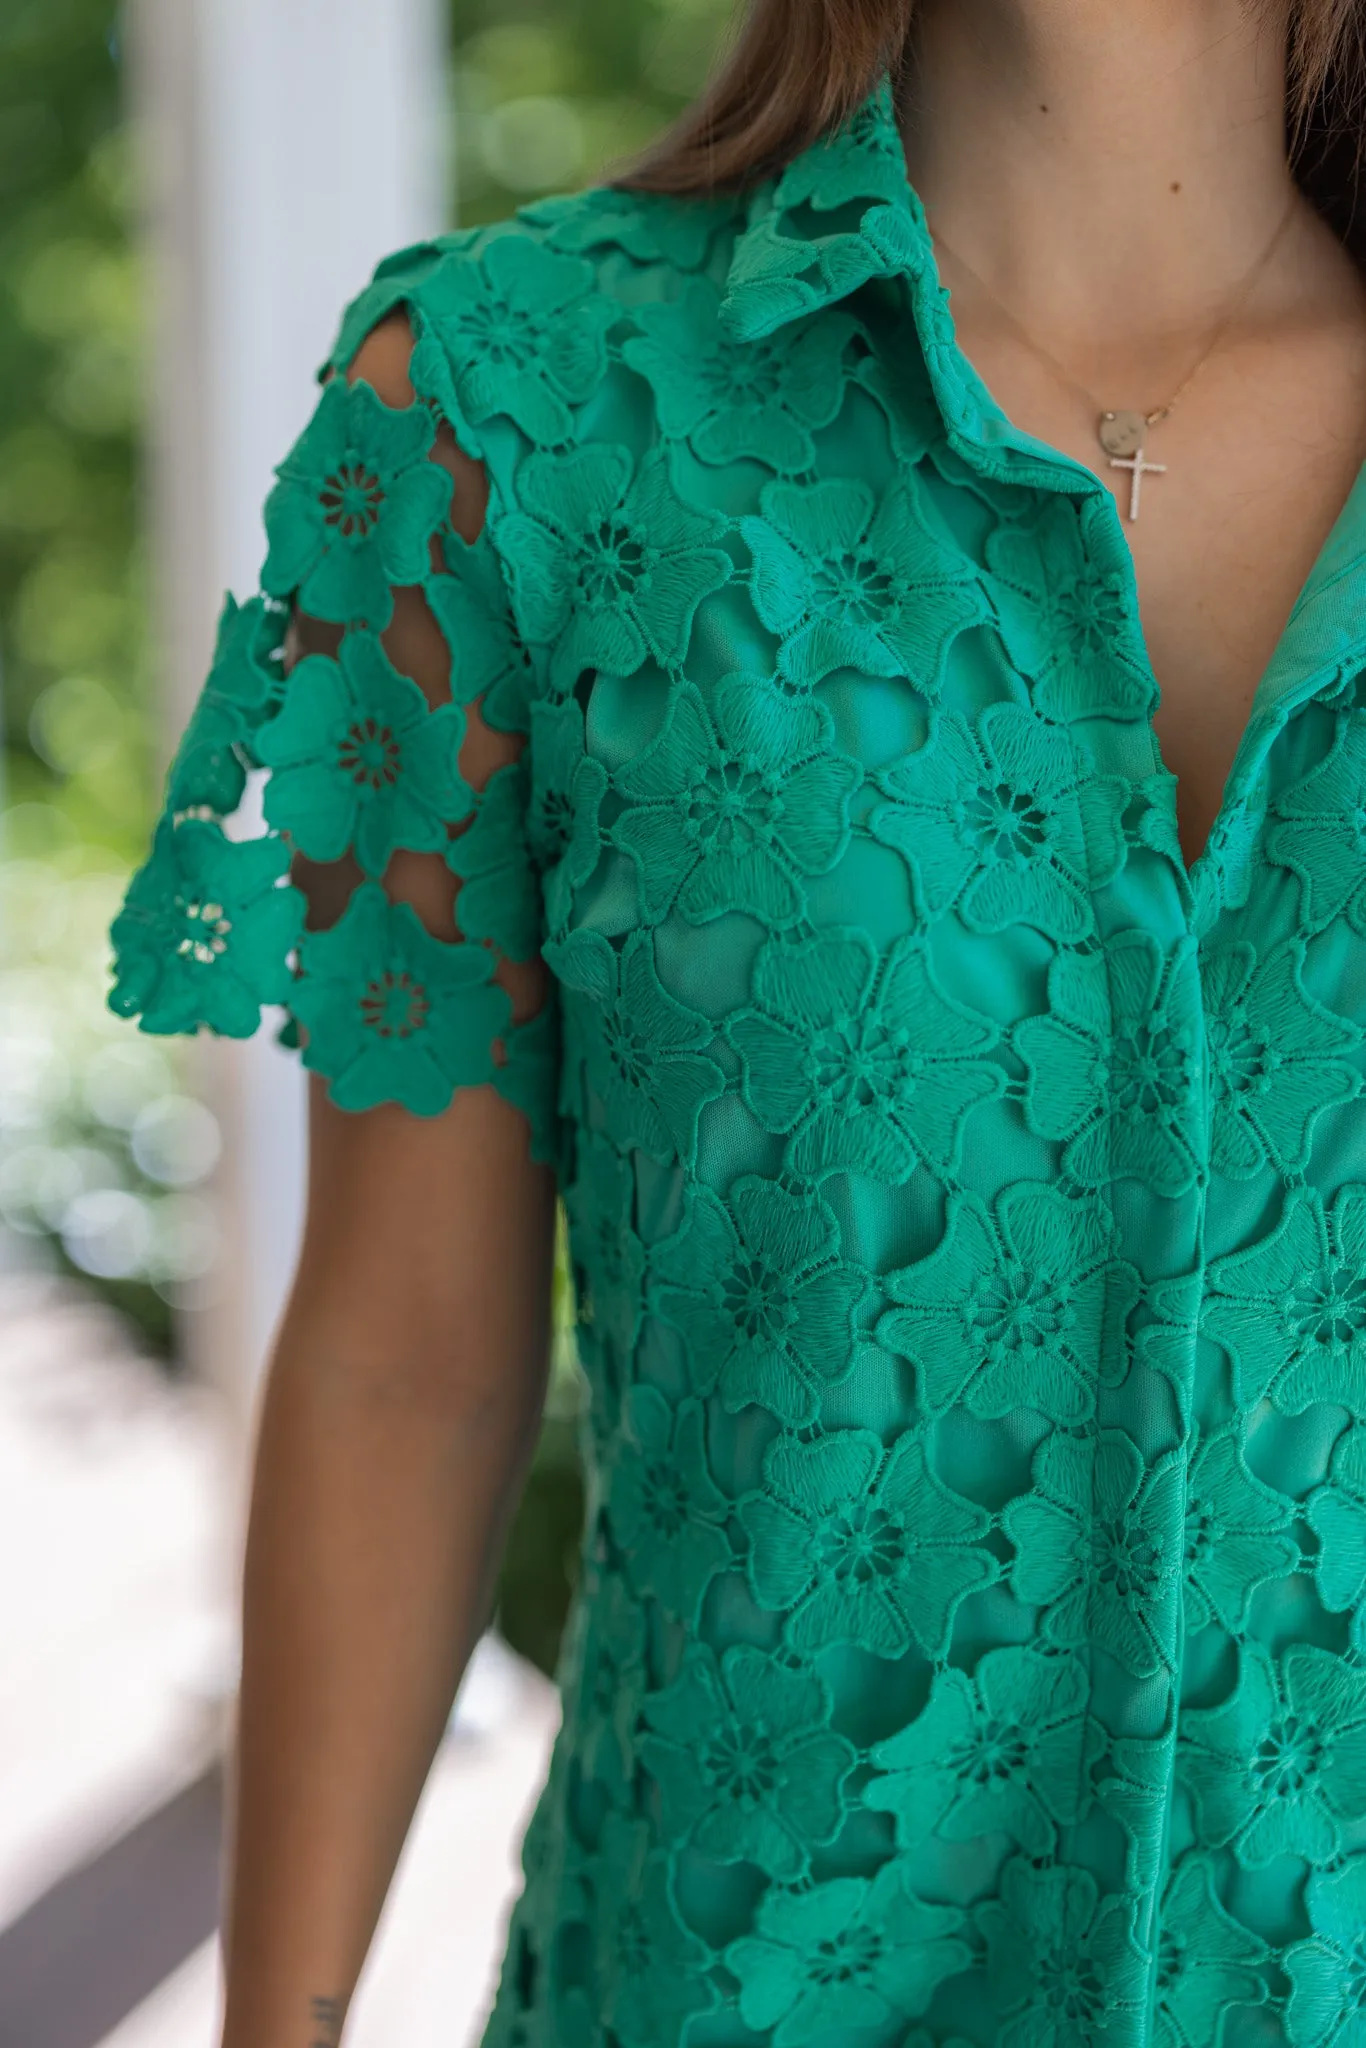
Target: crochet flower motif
1237	1535
355	507
642	1050
205	931
647	1965
1272	1057
1328	1971
600	1204
520	331
490	666
498	899
1016	1309
651	227
869	1066
854	1953
1115	1068
1004	824
607	567
1280	1768
1336	1512
666	1512
721	819
1068	624
849	583
1206	1960
757	1287
361	760
1004	1751
1062	1961
731	400
1319	830
748	1767
614	1679
1098	1544
862	1545
241	689
1291	1308
394	1015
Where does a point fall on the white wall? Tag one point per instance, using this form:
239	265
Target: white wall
290	144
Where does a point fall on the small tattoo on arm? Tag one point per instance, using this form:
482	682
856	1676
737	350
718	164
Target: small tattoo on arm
326	2015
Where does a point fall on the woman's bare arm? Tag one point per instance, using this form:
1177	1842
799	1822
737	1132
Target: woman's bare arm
396	1423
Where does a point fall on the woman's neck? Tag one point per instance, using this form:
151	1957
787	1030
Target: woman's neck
1112	168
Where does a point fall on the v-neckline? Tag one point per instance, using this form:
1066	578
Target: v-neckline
1317	639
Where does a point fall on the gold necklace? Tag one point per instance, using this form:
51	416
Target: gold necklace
1122	431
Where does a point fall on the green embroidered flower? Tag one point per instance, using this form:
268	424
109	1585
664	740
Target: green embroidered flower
1004	824
1280	1768
651	227
355	507
862	1545
869	1066
1206	1960
667	1514
360	760
568	787
746	1762
614	1678
1275	1057
205	931
394	1015
1005	1751
1098	1543
849	583
855	1953
1319	830
1336	1512
499	899
1062	1962
720	819
648	1967
641	1049
861	159
490	666
733	399
1067	623
1290	1308
1023	1309
1327	2006
1237	1536
242	688
601	1207
758	1288
606	567
1115	1069
518	331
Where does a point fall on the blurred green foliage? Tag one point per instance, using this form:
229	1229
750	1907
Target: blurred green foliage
548	94
73	639
101	1148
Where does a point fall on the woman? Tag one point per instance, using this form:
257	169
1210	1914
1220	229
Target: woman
719	759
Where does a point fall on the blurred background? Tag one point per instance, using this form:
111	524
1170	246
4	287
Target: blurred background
189	192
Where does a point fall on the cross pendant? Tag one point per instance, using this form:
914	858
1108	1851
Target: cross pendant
1137	469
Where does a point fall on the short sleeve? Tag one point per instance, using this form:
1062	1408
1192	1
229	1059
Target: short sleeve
356	764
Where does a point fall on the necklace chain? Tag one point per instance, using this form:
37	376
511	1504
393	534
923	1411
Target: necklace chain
1121	444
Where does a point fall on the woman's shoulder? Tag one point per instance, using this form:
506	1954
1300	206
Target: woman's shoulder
512	297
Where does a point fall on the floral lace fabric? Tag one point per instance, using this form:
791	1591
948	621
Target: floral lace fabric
967	1201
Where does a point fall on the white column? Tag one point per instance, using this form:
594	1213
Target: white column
289	144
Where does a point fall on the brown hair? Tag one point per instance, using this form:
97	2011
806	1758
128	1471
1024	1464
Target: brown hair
798	68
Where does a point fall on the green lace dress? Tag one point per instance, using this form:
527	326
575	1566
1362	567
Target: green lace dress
968	1202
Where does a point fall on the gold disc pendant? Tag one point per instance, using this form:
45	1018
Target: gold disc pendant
1122	433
